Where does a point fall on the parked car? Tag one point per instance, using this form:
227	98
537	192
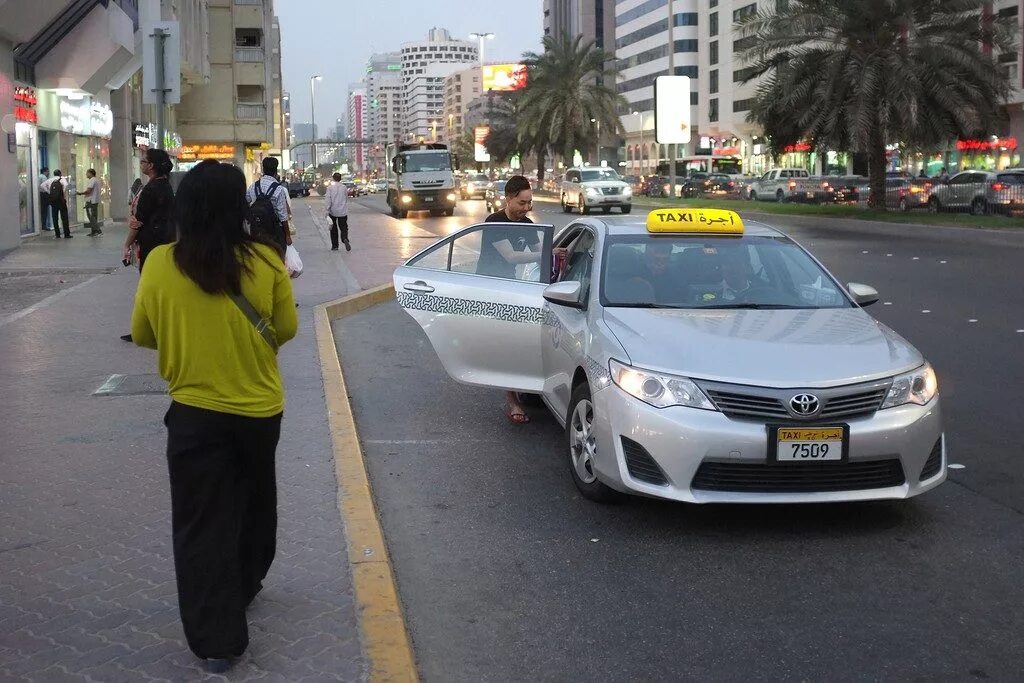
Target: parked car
707	185
906	193
591	188
474	185
351	190
851	188
298	188
789	185
654	186
981	192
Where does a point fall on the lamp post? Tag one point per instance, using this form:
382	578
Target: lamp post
481	37
598	140
312	107
671	72
641	115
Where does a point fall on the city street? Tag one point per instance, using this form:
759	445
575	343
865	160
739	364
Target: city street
507	573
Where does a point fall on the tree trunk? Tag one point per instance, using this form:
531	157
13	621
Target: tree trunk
876	170
540	165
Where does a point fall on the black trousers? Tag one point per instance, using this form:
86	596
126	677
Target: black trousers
339	224
60	210
224	520
91	212
44	209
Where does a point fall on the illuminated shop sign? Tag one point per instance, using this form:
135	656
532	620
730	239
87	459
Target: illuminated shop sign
797	147
503	77
101	120
74	115
193	152
725	151
25	105
990	145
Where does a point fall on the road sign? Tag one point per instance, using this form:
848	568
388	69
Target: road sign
672	110
161	37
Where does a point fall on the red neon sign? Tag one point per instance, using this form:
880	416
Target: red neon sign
986	145
24	105
798	147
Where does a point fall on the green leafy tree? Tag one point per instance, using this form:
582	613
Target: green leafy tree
463	147
567	85
857	74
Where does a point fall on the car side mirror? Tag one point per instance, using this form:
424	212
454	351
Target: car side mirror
567	293
863	295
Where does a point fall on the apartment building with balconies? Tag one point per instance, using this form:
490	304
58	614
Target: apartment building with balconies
460	88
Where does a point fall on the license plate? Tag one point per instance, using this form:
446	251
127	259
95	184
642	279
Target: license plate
810	195
809	444
428	199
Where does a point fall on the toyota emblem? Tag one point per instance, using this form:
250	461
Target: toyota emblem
804	405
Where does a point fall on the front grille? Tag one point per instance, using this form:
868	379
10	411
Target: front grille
798	477
771	404
609	190
641	465
934	462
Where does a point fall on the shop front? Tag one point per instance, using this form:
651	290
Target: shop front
27	151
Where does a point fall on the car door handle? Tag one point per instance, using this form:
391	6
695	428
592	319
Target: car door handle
418	286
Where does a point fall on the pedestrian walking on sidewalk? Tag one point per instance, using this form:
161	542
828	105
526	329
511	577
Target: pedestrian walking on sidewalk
152	222
57	194
92	202
216	305
337	212
268	208
44	197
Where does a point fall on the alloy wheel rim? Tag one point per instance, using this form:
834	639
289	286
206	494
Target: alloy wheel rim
582	442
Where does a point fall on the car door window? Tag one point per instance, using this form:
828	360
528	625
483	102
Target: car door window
579	263
501	250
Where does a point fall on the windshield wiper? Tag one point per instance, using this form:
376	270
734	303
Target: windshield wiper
755	307
641	305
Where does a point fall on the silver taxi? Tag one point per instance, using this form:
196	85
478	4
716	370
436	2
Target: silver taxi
689	356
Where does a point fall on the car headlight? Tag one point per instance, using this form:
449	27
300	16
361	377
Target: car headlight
592	191
627	191
658	390
451	196
406	199
919	386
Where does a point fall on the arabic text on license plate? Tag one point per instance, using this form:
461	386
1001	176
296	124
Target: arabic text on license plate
809	444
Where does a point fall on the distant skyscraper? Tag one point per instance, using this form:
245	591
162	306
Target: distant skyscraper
384	105
304	132
357	123
424	68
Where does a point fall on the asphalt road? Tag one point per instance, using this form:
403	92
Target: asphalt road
507	574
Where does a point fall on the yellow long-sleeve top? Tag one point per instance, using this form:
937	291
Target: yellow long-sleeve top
210	354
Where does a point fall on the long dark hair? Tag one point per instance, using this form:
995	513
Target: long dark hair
213	248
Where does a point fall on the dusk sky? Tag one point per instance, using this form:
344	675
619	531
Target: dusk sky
334	38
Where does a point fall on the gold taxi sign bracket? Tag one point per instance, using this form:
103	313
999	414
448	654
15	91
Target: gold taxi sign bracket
713	221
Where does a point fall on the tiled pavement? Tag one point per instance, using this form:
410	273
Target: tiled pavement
86	579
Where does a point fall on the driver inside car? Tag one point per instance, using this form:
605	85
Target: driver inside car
736	273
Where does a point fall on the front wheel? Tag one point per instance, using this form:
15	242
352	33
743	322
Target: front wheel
979	207
780	196
934	206
583	447
752	196
904	207
449	212
584	209
565	205
627	208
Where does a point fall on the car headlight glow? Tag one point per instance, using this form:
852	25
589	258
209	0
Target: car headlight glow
592	191
406	199
919	386
658	390
627	191
451	196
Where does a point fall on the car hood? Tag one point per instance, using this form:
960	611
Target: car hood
771	348
603	183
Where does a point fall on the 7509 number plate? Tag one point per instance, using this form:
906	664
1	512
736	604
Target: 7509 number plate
808	444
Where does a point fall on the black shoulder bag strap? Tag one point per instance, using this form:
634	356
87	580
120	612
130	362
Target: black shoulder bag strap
261	324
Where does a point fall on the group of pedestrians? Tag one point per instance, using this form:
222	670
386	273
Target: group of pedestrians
53	201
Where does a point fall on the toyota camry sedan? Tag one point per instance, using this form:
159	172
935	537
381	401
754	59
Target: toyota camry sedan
689	356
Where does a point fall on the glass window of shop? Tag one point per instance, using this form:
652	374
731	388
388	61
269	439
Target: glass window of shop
28	191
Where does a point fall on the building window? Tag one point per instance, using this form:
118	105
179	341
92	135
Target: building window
743	43
744	12
743	105
713	52
740	75
713	24
713	81
713	109
248	37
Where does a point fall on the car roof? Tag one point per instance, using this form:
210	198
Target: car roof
637	225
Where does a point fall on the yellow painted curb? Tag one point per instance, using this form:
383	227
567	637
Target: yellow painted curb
382	628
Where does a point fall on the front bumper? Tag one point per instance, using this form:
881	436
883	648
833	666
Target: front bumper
424	200
608	200
680	440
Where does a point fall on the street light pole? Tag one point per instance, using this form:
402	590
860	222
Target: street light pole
312	107
671	72
641	115
481	36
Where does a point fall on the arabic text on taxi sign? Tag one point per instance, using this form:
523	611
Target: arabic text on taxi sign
720	221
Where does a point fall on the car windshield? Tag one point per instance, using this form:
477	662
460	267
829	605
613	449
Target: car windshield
591	175
431	161
499	186
478	178
756	272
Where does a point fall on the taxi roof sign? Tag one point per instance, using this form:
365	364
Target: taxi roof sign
713	221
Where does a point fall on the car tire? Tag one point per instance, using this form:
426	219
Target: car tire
979	207
934	205
565	206
627	208
904	207
449	212
584	209
403	213
437	213
780	197
582	446
752	196
606	209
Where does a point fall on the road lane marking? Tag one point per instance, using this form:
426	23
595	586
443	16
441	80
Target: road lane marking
384	633
926	311
18	315
956	466
973	320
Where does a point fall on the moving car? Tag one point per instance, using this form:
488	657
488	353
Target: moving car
590	188
495	196
690	356
789	185
298	188
474	185
906	193
707	185
981	192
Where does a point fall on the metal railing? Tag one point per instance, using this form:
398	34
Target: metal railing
250	111
249	54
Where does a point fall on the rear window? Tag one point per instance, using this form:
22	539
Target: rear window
1011	178
481	178
599	174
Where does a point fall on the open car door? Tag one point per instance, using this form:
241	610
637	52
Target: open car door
477	295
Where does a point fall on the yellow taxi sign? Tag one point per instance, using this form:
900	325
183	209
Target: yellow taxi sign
716	221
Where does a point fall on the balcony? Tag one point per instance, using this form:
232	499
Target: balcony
250	112
249	54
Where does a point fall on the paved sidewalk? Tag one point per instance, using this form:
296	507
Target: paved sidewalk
86	579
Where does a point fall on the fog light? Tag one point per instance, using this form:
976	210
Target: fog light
451	196
406	199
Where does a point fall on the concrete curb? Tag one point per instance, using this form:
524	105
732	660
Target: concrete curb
382	627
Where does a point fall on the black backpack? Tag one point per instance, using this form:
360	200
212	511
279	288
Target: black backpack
56	191
262	216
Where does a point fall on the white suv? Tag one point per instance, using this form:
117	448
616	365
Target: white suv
595	187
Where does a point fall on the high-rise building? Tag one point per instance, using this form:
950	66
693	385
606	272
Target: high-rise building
357	123
592	19
384	105
232	117
304	132
425	65
642	51
460	88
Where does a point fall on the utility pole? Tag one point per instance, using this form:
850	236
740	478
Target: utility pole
481	36
161	89
672	72
312	116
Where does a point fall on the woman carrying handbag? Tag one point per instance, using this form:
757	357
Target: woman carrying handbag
216	305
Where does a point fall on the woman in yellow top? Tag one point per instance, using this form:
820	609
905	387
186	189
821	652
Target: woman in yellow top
225	417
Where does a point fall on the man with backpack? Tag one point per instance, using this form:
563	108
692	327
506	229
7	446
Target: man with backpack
268	206
56	190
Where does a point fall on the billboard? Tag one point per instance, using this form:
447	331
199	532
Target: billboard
502	77
480	134
672	110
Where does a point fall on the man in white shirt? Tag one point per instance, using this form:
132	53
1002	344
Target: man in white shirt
44	197
92	202
277	197
337	212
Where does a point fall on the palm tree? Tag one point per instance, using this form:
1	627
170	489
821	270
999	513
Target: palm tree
567	85
856	74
